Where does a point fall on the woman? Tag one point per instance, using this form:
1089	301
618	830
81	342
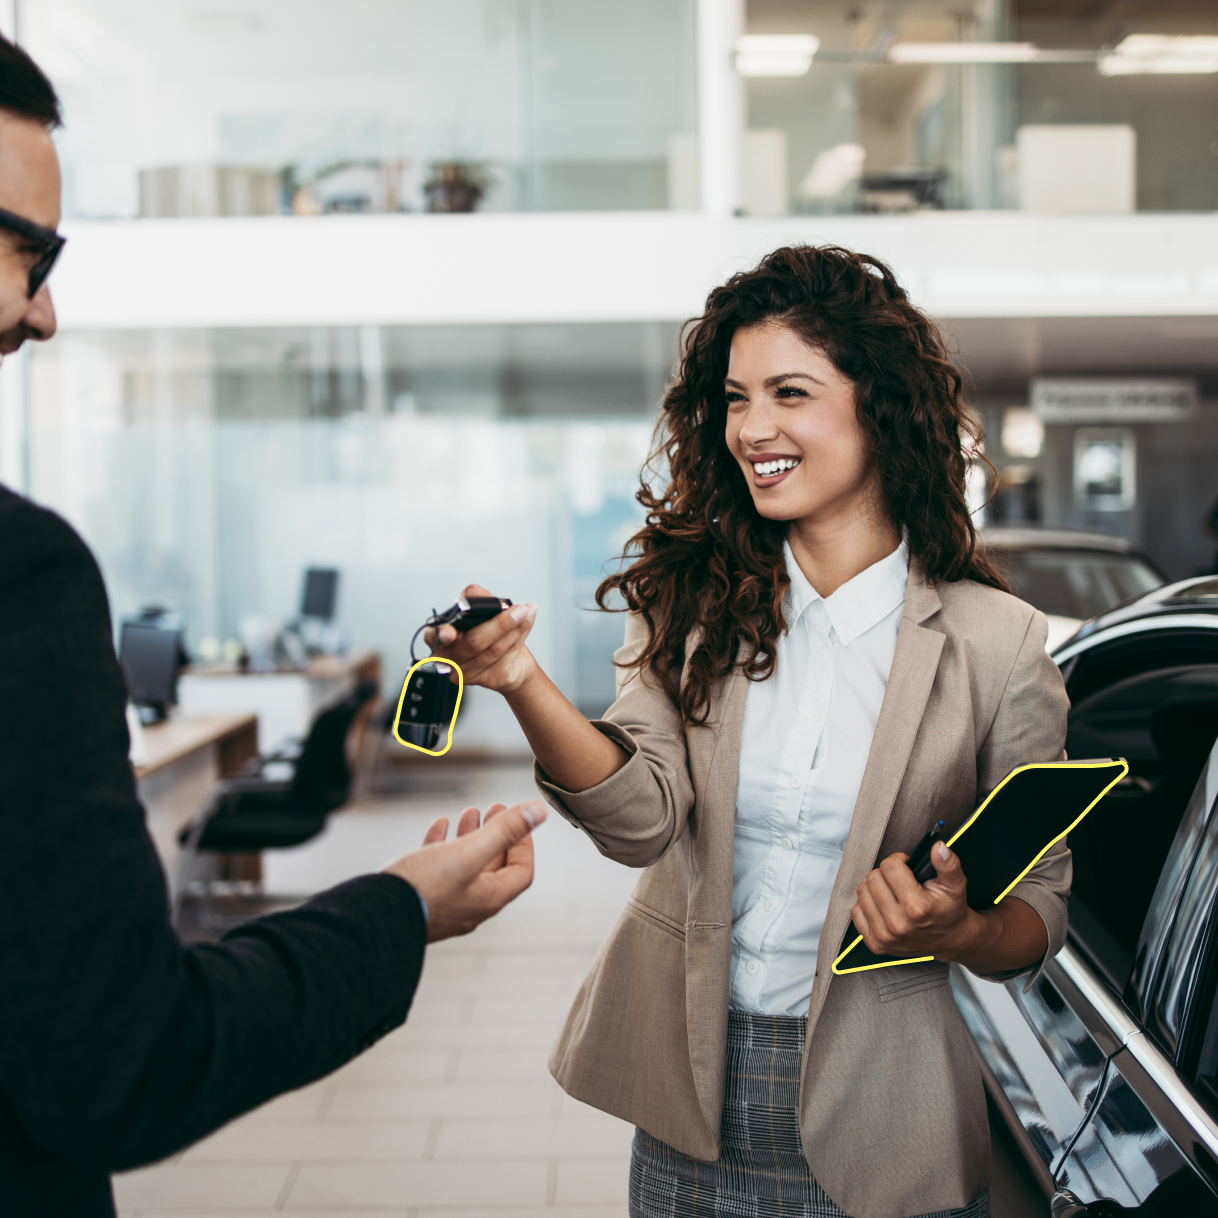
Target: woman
818	665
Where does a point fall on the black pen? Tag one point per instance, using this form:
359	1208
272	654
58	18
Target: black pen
919	861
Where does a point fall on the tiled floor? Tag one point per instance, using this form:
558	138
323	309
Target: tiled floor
455	1114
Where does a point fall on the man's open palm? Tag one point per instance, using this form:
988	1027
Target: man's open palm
471	878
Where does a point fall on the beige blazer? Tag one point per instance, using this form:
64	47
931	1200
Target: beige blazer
892	1110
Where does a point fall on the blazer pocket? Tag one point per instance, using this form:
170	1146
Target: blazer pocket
656	918
902	980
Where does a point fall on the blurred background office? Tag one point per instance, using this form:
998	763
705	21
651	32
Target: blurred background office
366	299
393	287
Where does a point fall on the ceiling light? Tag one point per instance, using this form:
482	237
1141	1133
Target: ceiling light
775	54
962	52
1162	54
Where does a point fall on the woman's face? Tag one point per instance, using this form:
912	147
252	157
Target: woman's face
792	427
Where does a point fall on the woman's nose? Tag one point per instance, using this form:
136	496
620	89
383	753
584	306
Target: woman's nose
758	427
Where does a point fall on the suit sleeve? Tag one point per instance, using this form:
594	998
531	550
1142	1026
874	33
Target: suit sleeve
118	1045
1030	725
638	814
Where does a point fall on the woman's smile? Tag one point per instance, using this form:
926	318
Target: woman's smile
769	469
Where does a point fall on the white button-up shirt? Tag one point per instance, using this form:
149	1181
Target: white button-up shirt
807	731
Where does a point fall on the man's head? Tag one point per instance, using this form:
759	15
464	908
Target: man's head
29	190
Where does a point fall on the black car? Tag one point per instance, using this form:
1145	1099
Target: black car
1106	1070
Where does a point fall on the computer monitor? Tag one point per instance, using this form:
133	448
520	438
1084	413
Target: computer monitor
148	654
320	593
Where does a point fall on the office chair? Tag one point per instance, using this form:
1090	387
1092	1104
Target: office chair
278	800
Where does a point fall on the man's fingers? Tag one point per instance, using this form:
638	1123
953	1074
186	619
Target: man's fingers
508	883
471	818
500	860
437	831
520	855
503	832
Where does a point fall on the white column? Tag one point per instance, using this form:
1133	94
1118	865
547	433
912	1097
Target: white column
721	116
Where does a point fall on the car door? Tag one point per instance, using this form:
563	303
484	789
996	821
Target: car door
1150	1141
1095	1104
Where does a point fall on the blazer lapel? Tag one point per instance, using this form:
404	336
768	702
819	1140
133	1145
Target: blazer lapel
714	763
914	664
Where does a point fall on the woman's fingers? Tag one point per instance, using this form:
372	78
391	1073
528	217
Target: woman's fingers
478	649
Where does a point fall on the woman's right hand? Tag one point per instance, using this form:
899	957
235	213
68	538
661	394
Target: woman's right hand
570	750
493	654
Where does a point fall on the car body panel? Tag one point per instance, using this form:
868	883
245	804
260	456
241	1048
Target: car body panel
1086	1060
1043	1104
1123	1152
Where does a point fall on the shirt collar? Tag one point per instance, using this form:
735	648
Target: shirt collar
860	602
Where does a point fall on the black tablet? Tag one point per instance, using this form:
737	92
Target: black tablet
1014	826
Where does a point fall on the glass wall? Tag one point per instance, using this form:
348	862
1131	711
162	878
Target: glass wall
1043	105
173	107
209	469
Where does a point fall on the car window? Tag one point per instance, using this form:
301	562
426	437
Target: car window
1203	1069
1076	583
1163	721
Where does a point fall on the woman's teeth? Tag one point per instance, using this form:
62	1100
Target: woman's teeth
767	469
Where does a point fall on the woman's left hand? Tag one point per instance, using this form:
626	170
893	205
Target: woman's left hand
897	916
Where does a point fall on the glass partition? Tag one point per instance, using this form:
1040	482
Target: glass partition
209	469
266	106
1038	105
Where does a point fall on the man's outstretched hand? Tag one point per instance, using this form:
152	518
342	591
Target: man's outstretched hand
474	876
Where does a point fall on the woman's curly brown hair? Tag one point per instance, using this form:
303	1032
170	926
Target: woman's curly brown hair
705	556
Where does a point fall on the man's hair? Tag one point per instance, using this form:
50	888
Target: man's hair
24	88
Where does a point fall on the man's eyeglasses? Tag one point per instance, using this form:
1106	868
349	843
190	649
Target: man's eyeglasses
46	240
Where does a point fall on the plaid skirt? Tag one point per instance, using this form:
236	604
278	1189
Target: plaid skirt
761	1169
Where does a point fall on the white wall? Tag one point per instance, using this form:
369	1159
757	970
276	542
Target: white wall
576	267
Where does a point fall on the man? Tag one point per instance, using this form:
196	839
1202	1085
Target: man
118	1045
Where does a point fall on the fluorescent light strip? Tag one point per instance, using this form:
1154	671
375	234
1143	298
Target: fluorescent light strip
775	54
963	52
1162	55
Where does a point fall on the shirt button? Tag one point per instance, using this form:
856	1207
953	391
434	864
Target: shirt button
788	844
795	780
769	906
816	716
752	966
820	657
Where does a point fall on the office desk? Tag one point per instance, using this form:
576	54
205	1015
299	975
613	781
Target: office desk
285	702
183	758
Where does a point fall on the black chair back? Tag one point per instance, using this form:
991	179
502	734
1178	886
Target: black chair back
323	778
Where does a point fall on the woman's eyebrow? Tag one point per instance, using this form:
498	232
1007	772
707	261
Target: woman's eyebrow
771	381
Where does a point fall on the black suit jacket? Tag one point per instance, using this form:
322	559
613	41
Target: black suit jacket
118	1045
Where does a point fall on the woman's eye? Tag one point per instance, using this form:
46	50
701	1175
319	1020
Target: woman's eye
791	391
733	397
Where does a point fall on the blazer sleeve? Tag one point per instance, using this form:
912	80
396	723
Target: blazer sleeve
119	1045
1030	725
638	814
